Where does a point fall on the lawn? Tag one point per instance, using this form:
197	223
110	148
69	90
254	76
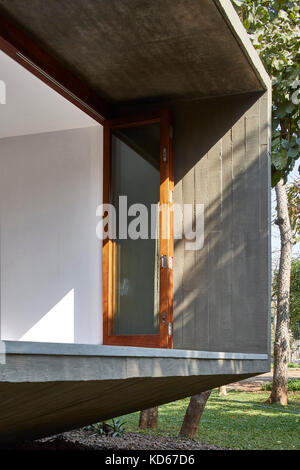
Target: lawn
240	420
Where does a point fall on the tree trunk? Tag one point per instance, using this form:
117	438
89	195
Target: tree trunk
148	418
193	414
279	392
222	390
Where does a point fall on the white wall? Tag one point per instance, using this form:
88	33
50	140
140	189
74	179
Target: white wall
32	107
51	260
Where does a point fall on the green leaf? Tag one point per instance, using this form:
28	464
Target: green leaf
283	15
276	176
285	144
294	152
279	159
246	24
272	28
261	10
284	108
275	142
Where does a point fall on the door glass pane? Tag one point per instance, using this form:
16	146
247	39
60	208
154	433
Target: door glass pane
136	174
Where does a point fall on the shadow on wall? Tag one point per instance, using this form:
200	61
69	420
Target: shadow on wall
221	160
221	291
58	323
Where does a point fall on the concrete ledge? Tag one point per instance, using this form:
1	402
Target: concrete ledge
64	349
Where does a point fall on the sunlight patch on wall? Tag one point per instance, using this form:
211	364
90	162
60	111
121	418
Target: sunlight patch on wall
57	326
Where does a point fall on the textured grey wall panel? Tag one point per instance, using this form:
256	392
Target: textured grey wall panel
221	161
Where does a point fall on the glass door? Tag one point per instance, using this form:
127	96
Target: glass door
137	257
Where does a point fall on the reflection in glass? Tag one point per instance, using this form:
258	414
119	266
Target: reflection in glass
136	174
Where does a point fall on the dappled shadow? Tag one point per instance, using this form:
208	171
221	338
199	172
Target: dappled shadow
221	291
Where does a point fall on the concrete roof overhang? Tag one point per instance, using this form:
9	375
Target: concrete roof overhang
133	51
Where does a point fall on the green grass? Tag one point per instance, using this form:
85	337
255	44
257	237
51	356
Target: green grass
293	385
240	420
291	365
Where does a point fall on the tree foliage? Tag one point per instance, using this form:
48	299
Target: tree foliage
294	297
273	26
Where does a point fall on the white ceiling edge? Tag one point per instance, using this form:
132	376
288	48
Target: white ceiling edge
32	107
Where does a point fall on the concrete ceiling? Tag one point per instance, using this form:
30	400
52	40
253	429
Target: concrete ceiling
31	107
136	50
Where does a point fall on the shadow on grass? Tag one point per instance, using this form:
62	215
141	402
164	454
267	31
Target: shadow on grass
238	421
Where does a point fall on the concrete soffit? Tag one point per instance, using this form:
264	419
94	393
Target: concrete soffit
90	93
241	36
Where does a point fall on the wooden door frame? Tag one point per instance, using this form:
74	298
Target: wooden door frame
164	339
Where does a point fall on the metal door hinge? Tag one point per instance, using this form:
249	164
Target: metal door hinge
164	318
165	154
163	261
166	261
170	329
